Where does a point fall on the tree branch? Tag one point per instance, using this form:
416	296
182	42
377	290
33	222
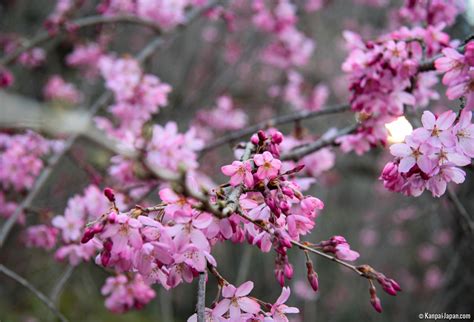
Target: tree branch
42	297
303	150
467	223
278	120
201	301
44	36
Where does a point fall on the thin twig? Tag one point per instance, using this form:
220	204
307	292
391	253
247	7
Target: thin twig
278	120
467	223
58	288
303	150
42	297
44	36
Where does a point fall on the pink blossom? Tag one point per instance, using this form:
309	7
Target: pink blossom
240	172
279	310
41	236
464	133
70	225
124	294
453	64
268	167
339	246
411	153
236	300
58	89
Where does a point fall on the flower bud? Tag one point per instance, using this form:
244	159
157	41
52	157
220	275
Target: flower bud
469	53
6	78
254	139
374	300
312	276
288	270
277	137
261	136
109	193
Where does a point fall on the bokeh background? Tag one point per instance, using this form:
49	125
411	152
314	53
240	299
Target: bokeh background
417	241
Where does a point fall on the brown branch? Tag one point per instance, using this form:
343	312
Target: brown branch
44	36
278	120
305	247
303	150
41	296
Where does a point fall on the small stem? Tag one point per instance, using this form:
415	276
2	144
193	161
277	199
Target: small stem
278	120
41	296
305	247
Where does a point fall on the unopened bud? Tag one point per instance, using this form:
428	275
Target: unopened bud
109	193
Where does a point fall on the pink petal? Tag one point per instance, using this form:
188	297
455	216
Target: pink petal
428	119
248	305
400	150
244	289
285	294
406	164
228	291
426	165
221	308
445	120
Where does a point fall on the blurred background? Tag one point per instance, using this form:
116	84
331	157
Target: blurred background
417	241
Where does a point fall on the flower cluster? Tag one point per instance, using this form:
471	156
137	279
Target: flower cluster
137	97
238	306
57	89
124	293
382	75
431	12
167	14
431	156
223	117
290	48
458	72
295	94
80	210
86	57
21	161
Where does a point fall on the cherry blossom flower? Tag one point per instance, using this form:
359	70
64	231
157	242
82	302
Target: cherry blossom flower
240	172
268	167
279	310
236	300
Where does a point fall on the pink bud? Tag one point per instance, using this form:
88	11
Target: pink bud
469	53
112	217
88	235
254	139
108	245
109	193
261	136
104	258
284	206
287	192
6	78
277	137
288	270
395	285
312	276
375	301
280	277
98	228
